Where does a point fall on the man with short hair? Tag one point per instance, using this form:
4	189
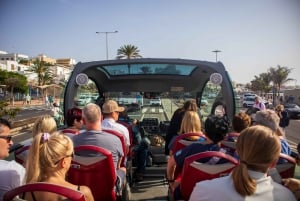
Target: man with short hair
270	119
11	173
93	135
111	112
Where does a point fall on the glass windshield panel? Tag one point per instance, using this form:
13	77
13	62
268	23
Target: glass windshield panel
155	69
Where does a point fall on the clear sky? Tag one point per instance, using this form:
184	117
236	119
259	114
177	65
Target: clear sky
253	35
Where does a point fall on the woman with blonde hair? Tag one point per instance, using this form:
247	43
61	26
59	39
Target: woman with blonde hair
258	148
43	124
190	124
48	161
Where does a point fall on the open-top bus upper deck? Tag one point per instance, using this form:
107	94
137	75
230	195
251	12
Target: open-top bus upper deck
140	80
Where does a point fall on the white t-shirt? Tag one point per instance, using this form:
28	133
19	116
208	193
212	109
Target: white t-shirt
223	189
12	175
109	123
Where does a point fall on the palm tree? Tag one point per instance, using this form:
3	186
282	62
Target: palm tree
279	76
39	68
128	52
43	72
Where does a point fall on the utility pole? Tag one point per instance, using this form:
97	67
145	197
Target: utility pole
216	51
106	32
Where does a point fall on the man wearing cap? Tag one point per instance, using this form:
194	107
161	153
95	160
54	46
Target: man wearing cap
11	173
111	110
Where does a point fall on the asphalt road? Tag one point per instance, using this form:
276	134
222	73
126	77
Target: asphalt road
293	133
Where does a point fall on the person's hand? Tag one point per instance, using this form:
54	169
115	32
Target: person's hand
292	183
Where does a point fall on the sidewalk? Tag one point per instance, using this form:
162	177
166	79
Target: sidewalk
35	102
21	104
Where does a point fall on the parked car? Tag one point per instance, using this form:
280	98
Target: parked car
248	101
293	110
155	101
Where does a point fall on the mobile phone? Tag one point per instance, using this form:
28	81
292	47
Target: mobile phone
275	175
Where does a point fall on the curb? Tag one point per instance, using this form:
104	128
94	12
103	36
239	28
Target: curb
15	130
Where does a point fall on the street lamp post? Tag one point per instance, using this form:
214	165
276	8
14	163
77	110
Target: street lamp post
106	32
217	51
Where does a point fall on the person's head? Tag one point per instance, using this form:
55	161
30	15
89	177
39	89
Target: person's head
270	119
48	154
216	127
258	148
74	117
91	115
256	99
190	105
44	124
5	138
240	121
279	108
190	123
111	109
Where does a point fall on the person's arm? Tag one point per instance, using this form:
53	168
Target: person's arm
292	183
171	168
87	193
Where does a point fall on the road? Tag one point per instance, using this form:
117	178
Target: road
24	119
293	133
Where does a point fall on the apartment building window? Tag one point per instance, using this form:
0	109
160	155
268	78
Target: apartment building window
12	67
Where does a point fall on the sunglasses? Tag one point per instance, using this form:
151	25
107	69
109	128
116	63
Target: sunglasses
8	138
71	155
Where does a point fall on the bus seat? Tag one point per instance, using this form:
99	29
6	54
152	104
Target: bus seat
124	163
97	172
129	128
180	142
20	154
194	171
70	194
229	146
122	139
286	170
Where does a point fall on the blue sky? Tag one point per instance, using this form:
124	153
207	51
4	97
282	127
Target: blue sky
252	35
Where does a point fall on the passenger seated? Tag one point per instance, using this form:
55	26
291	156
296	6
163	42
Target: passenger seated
141	154
44	124
190	124
189	105
111	111
240	121
11	173
91	116
74	122
48	161
216	128
258	148
270	119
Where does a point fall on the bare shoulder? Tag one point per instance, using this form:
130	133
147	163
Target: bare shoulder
87	193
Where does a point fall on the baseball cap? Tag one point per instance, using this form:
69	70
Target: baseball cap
111	106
